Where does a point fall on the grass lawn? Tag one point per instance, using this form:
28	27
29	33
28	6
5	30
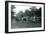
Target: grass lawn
24	24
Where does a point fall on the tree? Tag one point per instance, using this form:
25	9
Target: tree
27	12
21	13
19	16
12	13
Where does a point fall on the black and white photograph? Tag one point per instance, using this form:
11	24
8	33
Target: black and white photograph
24	16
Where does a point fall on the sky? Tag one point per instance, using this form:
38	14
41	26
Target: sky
20	8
